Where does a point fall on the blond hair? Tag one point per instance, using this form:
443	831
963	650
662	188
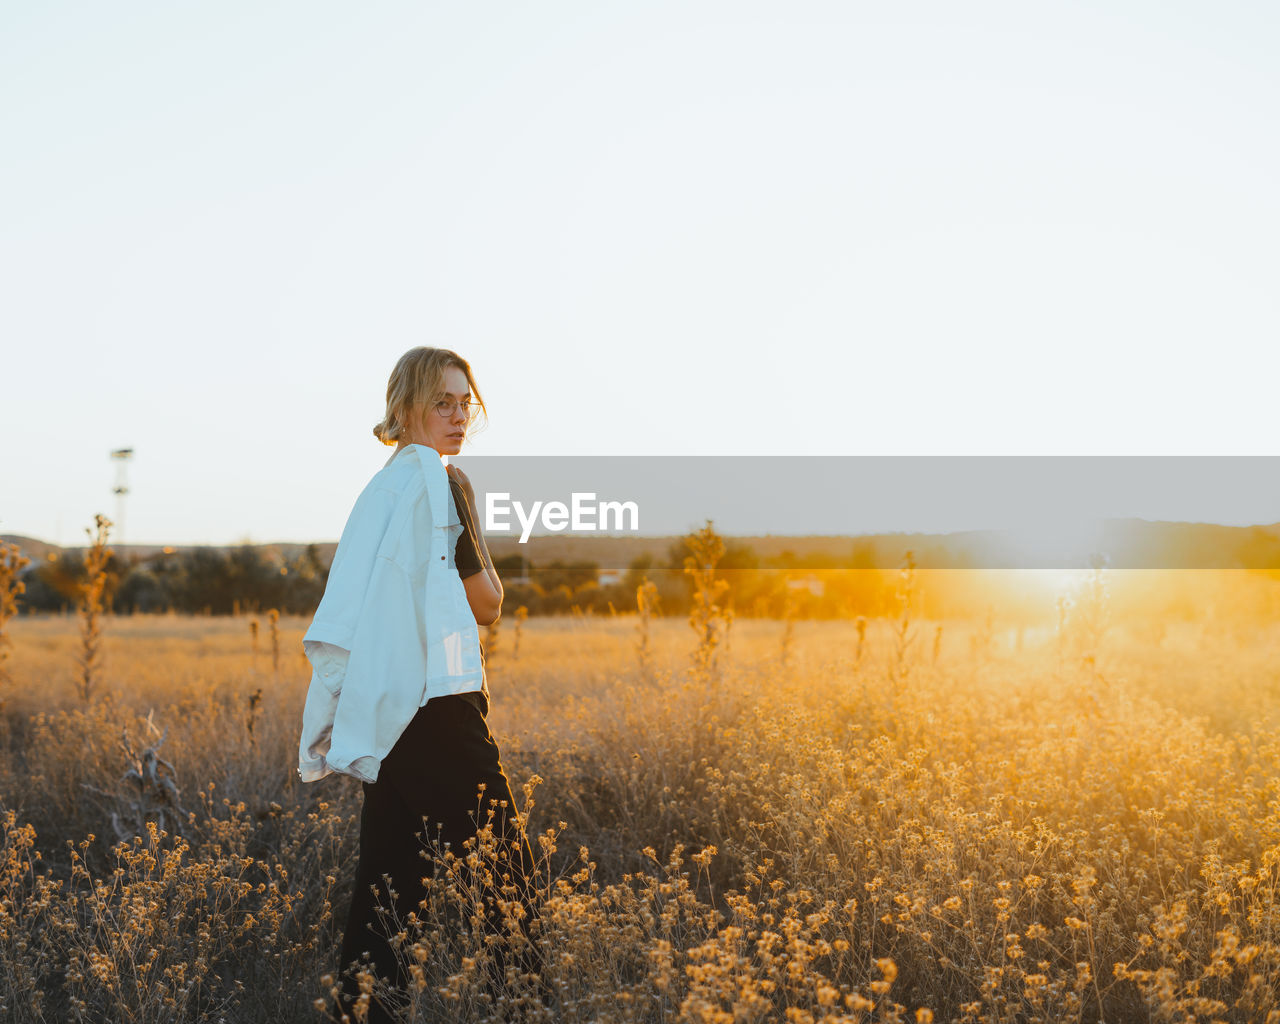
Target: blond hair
417	381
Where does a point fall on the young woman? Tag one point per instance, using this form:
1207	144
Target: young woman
399	696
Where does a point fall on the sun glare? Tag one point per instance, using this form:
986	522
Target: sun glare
1055	582
1057	545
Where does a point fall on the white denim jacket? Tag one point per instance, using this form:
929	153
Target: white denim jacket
394	627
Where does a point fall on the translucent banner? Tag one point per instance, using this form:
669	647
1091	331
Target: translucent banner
975	512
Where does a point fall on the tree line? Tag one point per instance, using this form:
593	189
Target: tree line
213	581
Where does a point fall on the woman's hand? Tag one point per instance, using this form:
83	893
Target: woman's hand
457	474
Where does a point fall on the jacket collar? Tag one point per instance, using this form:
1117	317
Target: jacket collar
423	451
439	493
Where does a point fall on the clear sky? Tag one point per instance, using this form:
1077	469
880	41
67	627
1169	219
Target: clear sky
654	228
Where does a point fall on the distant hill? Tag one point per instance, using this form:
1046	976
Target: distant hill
36	550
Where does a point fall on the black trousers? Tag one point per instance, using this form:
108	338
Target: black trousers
432	772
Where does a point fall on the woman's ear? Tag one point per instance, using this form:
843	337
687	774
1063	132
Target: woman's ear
412	422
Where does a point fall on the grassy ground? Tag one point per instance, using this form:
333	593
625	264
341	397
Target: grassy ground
1001	831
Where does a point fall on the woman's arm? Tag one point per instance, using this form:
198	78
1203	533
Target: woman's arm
484	589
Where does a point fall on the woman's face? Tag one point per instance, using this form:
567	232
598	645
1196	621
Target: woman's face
445	433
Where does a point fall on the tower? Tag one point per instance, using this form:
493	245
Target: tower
121	456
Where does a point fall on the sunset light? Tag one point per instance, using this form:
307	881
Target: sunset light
1064	543
640	513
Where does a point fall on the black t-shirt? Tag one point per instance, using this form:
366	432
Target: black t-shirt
466	556
466	552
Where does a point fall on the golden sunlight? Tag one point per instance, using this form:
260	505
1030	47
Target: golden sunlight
1052	544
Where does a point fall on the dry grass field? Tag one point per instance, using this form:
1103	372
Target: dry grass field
981	826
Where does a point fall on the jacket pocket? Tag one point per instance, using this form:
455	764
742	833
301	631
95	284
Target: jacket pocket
329	663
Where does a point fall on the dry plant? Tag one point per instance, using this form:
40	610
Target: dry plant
90	603
706	617
906	595
1084	616
522	615
1063	606
167	929
255	700
273	623
646	607
151	790
788	625
491	642
1092	612
11	588
982	639
650	946
477	917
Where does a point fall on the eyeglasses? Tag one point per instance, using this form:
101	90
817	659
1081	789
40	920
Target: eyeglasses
446	406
